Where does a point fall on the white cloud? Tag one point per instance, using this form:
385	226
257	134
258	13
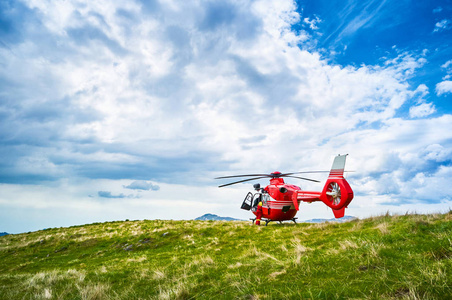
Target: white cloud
142	185
447	64
312	23
437	153
117	96
442	25
422	110
444	87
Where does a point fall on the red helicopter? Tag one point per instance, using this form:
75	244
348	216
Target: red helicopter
281	201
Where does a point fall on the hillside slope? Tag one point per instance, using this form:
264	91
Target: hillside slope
387	257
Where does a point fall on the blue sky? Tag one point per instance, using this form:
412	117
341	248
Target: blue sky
368	32
128	110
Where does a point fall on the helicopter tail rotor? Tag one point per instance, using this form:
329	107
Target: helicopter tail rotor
337	193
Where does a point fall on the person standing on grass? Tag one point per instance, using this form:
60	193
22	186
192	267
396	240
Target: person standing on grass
259	213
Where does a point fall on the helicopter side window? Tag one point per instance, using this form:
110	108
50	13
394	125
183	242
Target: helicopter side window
265	199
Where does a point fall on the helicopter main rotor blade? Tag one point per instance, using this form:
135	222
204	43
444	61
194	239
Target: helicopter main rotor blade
242	181
302	178
247	175
270	175
305	172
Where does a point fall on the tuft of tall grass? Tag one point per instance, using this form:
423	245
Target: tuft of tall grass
97	291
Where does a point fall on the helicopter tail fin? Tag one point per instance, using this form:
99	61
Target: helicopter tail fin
339	213
337	169
337	193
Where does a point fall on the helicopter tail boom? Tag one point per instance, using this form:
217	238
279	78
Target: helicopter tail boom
336	193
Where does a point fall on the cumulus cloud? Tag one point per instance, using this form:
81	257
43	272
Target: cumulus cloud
444	87
437	153
447	65
153	93
422	110
312	23
196	78
142	185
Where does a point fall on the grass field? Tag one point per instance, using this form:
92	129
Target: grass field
387	257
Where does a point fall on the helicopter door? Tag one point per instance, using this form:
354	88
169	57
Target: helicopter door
246	205
266	204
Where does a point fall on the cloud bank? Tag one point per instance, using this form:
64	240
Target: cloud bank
180	92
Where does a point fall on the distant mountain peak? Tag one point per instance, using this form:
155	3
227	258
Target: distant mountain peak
339	220
213	217
3	233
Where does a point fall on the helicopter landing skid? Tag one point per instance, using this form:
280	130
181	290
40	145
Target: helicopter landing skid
268	220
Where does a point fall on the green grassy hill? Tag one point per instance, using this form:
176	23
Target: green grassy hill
387	257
